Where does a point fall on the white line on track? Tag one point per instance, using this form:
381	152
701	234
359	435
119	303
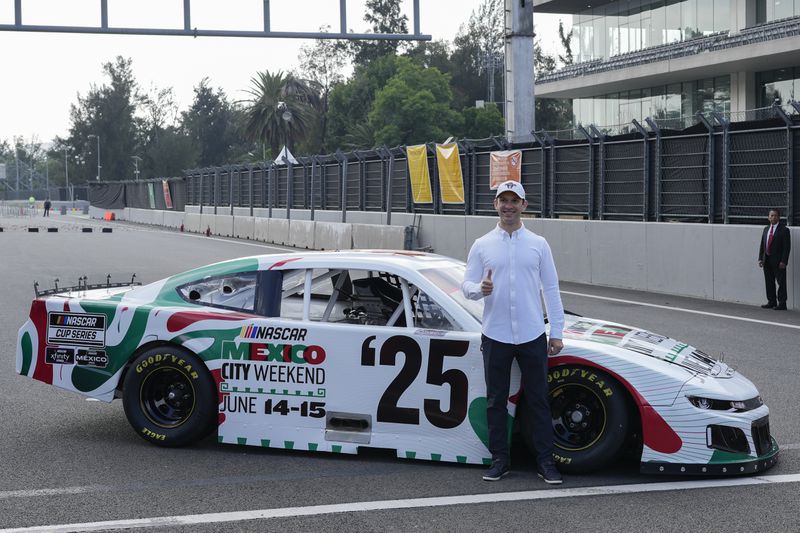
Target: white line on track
682	309
415	503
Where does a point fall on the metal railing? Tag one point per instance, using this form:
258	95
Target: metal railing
715	171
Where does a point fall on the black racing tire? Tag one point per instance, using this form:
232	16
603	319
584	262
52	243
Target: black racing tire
590	418
170	397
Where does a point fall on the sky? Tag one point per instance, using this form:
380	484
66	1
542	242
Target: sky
43	73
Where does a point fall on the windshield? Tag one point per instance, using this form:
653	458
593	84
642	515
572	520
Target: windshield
449	279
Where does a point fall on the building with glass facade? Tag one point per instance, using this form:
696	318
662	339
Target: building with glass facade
669	59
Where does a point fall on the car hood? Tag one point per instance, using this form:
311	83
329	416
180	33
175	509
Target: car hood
645	344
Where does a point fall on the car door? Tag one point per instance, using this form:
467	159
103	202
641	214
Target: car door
356	358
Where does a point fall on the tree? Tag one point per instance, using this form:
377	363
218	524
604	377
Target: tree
432	54
351	102
210	125
107	111
281	109
480	123
478	54
551	113
322	64
384	17
414	107
566	42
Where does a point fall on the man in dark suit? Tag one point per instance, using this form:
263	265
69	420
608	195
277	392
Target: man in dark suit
773	256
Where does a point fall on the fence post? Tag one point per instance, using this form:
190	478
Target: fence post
202	191
311	184
388	181
789	162
362	193
590	140
552	173
289	186
711	158
343	181
543	184
217	187
250	187
230	188
656	166
646	169
410	207
270	181
726	170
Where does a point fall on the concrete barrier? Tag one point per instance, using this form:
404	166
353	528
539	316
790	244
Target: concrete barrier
333	236
192	222
174	219
208	222
369	236
224	225
670	268
261	229
244	227
327	216
302	233
279	231
716	262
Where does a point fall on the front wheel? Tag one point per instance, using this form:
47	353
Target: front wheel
169	396
590	418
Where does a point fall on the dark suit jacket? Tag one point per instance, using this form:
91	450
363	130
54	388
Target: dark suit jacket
781	244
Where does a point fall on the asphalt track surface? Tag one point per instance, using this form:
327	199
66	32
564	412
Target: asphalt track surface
66	460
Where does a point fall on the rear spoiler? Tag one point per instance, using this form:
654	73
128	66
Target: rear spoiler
83	285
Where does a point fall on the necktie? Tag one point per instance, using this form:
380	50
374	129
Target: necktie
769	239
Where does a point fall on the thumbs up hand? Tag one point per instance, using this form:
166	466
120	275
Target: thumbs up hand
486	284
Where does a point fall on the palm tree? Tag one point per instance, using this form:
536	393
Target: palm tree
282	110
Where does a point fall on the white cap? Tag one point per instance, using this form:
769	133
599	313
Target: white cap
513	186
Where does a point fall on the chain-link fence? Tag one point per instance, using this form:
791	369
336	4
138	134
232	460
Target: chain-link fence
713	171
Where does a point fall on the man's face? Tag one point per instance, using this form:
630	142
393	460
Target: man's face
773	217
509	206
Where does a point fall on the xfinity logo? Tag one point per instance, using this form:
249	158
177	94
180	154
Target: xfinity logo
59	356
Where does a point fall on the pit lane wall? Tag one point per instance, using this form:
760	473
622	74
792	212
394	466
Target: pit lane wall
715	262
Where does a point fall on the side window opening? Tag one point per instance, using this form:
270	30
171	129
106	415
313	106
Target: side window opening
232	291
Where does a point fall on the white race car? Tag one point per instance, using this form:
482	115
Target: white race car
334	351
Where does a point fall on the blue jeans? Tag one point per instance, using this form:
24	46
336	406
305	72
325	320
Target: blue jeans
532	359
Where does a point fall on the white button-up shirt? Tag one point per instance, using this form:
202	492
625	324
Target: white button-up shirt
522	268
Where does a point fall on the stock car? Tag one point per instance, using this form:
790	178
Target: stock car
335	351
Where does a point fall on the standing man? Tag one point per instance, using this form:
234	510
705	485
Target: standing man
509	267
47	206
773	257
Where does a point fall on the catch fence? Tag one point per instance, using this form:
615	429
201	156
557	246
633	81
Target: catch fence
716	171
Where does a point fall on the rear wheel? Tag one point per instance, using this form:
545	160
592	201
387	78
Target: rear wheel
590	418
169	396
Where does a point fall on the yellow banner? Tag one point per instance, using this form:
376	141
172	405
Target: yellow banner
418	174
504	166
451	182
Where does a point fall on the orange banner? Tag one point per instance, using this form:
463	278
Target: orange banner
504	166
167	195
451	181
418	174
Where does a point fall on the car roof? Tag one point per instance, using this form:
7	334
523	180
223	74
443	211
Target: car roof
404	259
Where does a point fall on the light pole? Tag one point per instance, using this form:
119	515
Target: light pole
92	135
286	115
136	160
66	173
